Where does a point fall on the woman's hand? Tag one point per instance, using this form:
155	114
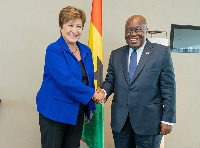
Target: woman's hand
86	118
99	96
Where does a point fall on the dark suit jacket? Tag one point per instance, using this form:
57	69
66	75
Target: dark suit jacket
62	89
152	87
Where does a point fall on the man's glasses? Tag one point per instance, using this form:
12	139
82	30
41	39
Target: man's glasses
130	31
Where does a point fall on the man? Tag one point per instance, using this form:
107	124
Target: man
143	107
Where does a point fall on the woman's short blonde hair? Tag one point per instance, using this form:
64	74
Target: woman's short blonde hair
69	13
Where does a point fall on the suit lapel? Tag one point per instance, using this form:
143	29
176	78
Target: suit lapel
124	60
146	54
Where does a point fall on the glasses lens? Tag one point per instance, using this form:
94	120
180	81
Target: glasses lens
138	30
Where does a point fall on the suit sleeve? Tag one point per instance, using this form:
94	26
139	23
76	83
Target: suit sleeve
60	73
108	84
168	88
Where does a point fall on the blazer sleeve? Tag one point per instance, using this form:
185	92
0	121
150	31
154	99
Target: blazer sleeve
168	88
60	73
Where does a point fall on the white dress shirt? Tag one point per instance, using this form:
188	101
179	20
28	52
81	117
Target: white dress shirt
139	54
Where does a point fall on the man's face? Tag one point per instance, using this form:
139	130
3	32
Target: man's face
135	32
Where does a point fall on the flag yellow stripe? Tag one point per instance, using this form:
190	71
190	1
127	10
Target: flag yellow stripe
95	44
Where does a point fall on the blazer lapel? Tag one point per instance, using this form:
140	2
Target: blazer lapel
124	60
146	54
61	41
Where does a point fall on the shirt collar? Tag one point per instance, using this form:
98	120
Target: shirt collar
139	49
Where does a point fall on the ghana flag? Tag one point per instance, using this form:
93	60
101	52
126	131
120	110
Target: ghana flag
93	132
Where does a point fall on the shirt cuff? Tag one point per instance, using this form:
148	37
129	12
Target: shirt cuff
105	92
105	95
167	123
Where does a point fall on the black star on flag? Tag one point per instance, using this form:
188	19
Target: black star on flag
99	73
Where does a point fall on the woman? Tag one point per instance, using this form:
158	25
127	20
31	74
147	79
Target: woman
68	85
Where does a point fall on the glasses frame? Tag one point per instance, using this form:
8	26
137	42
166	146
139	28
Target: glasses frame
137	31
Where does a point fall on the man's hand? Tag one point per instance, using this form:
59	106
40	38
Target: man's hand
165	129
99	96
100	90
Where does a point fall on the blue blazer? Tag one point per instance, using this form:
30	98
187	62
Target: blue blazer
62	89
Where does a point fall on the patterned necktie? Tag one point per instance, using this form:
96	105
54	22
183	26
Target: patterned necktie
132	65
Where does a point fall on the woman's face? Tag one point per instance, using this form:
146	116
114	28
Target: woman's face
72	30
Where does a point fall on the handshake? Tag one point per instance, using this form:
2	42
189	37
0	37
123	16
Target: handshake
99	96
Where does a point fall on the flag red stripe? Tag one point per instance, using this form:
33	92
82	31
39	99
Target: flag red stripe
96	16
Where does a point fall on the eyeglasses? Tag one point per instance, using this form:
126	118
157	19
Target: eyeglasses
130	31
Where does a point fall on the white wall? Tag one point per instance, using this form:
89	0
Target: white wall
27	27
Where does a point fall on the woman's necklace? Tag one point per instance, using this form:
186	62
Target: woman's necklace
69	47
75	51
